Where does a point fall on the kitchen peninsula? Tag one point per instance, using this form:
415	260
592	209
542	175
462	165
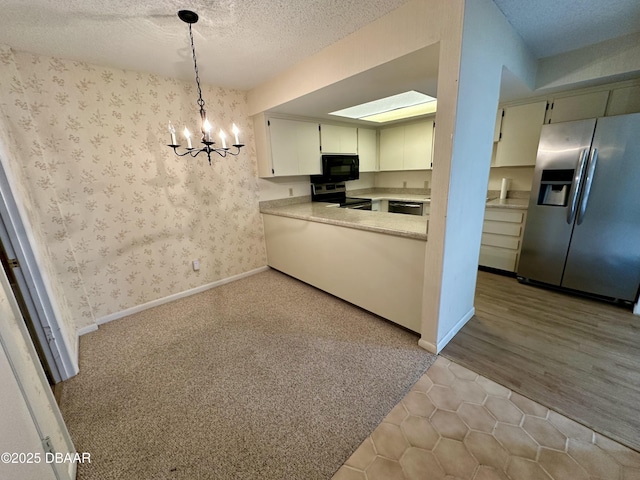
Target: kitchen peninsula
372	259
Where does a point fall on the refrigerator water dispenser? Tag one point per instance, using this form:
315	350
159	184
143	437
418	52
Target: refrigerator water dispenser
554	187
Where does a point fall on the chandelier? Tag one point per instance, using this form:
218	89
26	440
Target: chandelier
190	18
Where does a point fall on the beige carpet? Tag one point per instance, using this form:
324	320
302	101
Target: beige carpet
263	378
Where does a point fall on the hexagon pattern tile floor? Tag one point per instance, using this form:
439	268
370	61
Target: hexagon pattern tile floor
456	425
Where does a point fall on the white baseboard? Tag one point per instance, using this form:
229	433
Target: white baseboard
452	333
428	346
170	298
88	329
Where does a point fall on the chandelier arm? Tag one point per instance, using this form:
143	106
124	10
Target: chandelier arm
175	150
190	18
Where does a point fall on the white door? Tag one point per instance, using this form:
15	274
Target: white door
28	286
30	420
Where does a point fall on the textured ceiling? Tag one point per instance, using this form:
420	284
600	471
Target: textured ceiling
550	27
239	44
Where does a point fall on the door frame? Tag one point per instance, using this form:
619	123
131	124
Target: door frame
44	316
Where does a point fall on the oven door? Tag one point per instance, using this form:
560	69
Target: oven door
358	206
406	207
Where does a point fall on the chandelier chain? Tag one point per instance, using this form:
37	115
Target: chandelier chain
195	67
190	17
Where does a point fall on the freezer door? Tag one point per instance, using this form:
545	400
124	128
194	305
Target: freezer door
604	255
562	153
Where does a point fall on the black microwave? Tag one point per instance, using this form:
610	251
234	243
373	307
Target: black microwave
338	168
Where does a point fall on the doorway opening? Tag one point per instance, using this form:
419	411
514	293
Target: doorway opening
23	272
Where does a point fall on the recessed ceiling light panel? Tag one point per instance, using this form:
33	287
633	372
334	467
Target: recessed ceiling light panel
395	107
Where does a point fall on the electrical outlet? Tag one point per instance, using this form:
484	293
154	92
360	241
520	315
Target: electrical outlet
196	265
291	192
404	184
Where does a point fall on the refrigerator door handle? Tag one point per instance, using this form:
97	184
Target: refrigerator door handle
591	169
577	182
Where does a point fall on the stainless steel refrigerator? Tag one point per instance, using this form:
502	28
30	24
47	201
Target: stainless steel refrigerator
583	222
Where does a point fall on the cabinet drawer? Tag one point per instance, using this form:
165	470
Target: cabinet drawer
502	228
501	241
498	258
503	216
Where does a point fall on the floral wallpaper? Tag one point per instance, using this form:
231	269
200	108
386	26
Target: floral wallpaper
123	216
13	157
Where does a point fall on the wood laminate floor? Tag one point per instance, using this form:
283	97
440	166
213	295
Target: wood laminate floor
575	355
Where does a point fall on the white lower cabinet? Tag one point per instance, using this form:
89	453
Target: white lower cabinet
502	238
381	273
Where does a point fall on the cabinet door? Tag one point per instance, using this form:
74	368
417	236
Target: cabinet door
498	127
367	149
624	100
418	139
392	148
295	147
521	127
284	146
338	139
502	238
308	146
578	107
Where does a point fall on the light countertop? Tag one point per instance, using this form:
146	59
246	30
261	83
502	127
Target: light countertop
408	197
522	203
401	197
411	226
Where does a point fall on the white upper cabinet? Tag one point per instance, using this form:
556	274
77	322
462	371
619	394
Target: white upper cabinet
496	131
287	147
407	147
368	149
392	148
338	139
520	135
577	107
624	100
418	143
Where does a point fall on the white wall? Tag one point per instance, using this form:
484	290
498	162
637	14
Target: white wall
284	187
122	216
414	179
417	24
613	60
460	178
521	178
468	88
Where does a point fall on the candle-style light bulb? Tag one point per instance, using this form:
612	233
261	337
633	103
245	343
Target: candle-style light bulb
207	130
187	135
223	137
172	131
235	133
